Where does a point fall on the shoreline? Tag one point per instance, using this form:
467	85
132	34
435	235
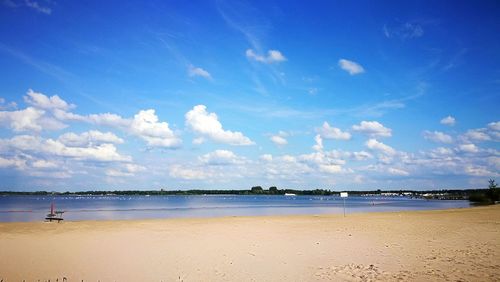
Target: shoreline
437	245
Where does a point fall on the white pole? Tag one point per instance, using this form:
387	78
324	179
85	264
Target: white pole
344	207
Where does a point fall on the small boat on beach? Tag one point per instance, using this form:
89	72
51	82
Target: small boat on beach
54	215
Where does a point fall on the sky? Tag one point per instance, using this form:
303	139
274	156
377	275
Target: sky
361	95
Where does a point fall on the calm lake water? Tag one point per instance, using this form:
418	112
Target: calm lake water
34	208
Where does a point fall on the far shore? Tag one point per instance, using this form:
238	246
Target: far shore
430	245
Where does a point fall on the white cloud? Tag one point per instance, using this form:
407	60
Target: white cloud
494	130
404	31
328	162
54	148
478	135
278	140
146	126
266	157
37	7
438	137
125	170
319	143
494	125
478	171
373	129
351	67
29	119
47	113
468	148
5	106
273	56
12	163
441	152
178	171
41	101
330	168
44	164
397	171
221	157
207	125
328	132
375	145
196	71
361	156
449	120
92	137
106	119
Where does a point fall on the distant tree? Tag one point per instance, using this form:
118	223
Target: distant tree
493	192
257	190
492	183
273	190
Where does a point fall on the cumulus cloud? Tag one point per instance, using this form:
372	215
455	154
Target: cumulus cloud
476	135
373	129
494	125
397	171
361	156
266	157
273	56
12	163
494	130
41	101
221	157
39	116
125	170
5	106
330	168
375	145
351	67
88	138
319	143
29	119
438	137
187	173
468	148
196	71
44	164
329	162
328	132
48	113
147	126
54	148
278	140
207	125
449	120
441	152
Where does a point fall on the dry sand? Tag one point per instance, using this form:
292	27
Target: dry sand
447	245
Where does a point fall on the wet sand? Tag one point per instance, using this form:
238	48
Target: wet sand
445	245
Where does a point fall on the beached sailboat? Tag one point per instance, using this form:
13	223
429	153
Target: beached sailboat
54	215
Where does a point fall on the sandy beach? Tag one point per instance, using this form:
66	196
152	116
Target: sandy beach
446	245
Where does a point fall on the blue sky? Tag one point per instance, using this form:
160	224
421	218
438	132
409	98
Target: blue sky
231	94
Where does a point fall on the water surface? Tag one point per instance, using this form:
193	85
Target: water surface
34	208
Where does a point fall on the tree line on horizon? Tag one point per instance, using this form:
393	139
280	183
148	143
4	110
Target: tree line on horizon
489	195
